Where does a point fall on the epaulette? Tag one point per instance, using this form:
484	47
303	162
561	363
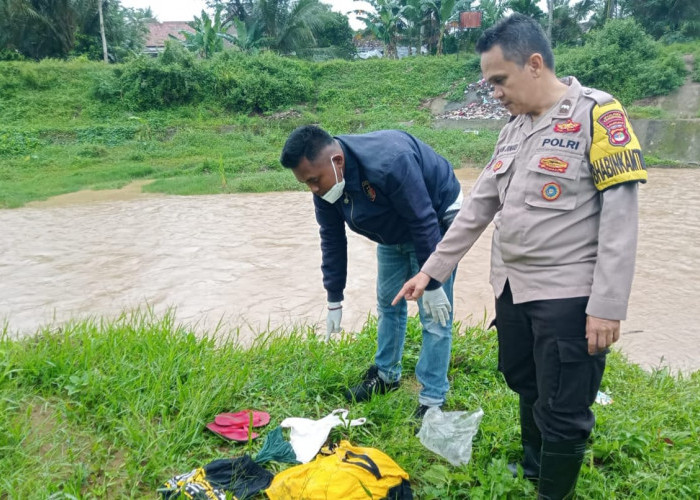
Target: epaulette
600	97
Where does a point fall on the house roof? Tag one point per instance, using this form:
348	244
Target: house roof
158	33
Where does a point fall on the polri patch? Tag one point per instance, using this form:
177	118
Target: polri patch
497	166
369	190
560	143
567	126
615	124
553	164
551	191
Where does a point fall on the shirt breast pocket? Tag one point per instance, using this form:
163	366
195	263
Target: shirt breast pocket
500	169
553	180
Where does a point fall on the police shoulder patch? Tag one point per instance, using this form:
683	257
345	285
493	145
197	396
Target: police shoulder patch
616	156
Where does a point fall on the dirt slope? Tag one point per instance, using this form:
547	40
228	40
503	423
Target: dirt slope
684	102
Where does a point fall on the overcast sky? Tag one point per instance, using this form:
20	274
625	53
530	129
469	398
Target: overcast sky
181	10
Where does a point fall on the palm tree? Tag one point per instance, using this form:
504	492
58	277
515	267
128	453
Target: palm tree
290	26
492	11
550	17
385	23
445	12
209	35
249	35
233	9
57	28
566	21
102	31
38	28
609	9
526	7
414	15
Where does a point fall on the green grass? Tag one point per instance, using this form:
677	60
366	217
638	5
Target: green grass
647	113
656	162
111	409
56	137
687	48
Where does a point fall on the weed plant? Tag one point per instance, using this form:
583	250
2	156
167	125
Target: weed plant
647	71
112	408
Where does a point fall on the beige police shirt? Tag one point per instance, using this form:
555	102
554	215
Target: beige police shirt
562	194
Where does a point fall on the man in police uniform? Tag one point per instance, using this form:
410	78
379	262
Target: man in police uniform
561	189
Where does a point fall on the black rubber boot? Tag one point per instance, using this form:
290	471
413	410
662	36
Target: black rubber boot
561	463
532	444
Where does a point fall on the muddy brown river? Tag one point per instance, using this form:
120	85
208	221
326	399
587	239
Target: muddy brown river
251	262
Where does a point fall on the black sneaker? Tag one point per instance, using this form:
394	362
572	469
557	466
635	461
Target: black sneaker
371	384
418	416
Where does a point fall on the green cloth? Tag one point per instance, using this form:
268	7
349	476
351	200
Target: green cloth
276	448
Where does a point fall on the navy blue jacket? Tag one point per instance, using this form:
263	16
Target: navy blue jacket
397	189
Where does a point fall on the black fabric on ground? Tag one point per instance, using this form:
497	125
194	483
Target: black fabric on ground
242	476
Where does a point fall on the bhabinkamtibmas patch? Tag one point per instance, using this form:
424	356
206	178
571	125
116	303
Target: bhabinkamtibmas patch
616	156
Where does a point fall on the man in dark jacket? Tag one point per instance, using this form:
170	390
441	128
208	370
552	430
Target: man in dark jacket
396	191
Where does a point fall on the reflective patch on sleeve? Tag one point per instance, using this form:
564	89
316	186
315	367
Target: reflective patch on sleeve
616	156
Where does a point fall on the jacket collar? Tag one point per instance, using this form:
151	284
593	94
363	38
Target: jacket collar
351	173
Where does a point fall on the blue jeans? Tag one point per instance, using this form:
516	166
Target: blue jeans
396	265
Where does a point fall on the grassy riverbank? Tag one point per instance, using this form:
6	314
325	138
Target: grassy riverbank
56	136
68	125
113	408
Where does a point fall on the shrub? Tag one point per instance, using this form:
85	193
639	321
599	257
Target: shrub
9	78
175	78
27	76
93	151
17	143
108	88
263	82
622	59
236	81
11	55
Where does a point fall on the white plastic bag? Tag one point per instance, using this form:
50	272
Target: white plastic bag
450	434
308	435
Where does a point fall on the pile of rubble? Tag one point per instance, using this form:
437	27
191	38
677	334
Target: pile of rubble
478	102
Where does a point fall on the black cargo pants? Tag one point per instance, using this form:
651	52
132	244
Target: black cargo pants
543	355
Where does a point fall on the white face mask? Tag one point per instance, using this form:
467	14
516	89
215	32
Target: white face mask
336	191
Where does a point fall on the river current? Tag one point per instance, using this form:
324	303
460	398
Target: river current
251	262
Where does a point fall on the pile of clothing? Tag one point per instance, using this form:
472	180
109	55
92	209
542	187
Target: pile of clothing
337	471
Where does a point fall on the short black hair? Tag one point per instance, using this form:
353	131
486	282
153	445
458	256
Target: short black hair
519	36
307	142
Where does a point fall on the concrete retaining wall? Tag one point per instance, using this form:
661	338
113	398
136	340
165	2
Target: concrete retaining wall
677	140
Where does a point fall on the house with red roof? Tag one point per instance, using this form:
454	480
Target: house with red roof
158	33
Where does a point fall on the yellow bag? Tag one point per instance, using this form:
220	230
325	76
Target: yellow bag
349	473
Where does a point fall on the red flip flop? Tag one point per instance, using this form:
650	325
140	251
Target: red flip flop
239	434
242	419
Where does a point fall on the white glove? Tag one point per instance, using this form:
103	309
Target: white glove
436	305
335	314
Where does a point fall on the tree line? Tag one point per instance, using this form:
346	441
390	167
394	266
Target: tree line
104	29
